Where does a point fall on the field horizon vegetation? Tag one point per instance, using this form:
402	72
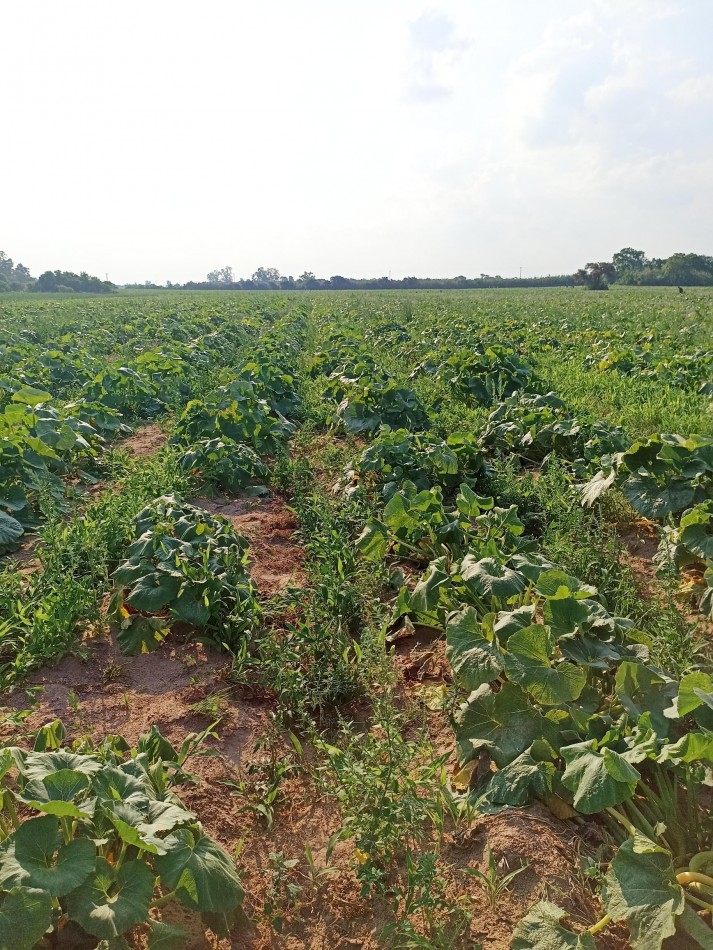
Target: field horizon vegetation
357	618
628	267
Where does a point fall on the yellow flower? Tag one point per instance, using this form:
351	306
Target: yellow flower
361	856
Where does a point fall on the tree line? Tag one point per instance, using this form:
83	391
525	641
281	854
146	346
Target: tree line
631	266
627	266
14	277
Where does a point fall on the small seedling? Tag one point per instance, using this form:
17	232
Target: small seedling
213	705
113	672
317	874
282	893
494	881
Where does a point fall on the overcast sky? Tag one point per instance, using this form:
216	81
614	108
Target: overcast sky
159	140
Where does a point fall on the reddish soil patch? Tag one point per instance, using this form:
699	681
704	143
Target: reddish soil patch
26	557
641	541
549	849
276	559
110	693
145	441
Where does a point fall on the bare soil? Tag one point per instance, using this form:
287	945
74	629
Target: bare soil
145	441
276	558
641	540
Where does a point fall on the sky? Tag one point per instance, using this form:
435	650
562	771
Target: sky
160	140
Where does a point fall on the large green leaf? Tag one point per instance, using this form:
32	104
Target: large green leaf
153	592
597	779
29	396
200	872
25	916
55	794
528	663
644	692
110	902
10	530
509	623
474	659
131	835
38	765
488	577
696	531
556	584
503	722
693	747
541	929
190	610
651	500
426	594
526	777
689	691
167	936
590	650
566	615
35	856
642	890
373	542
141	635
116	786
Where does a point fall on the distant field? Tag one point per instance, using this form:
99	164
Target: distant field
429	574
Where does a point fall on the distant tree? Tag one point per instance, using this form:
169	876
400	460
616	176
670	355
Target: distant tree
691	269
13	276
307	280
596	276
629	259
222	275
266	275
64	281
338	282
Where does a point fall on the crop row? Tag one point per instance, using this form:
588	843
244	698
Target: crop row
561	701
107	838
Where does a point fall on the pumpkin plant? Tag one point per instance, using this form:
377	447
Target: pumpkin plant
107	844
184	565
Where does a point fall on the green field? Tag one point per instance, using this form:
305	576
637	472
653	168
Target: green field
357	619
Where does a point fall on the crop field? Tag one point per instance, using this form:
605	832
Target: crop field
359	619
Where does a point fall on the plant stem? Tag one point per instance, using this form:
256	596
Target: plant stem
694	877
122	854
10	806
622	819
163	900
600	925
698	902
66	825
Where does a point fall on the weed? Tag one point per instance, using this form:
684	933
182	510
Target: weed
282	890
495	880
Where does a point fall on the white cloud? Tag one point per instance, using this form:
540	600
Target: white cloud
435	48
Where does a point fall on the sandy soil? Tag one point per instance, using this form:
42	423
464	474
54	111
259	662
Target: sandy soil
145	441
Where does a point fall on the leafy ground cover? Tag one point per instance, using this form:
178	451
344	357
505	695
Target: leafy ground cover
473	722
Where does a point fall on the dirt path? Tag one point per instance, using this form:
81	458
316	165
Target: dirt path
146	440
